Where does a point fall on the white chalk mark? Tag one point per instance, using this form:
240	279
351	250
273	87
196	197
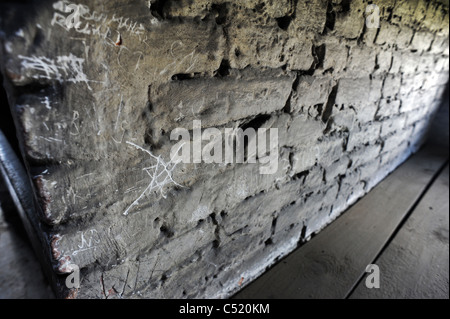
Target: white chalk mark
80	39
82	176
121	139
63	68
193	61
89	244
131	189
122	47
178	42
55	139
160	175
141	54
134	188
51	139
47	103
118	112
75	252
74	16
75	117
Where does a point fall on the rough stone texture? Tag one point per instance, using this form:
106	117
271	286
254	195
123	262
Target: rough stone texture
86	79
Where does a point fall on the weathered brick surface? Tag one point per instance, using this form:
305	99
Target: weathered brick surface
350	104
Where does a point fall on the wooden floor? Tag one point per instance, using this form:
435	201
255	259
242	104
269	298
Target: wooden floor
402	226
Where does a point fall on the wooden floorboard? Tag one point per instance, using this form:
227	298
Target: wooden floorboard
416	263
330	265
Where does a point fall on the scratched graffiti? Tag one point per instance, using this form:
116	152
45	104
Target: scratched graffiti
79	17
160	175
67	68
88	240
179	60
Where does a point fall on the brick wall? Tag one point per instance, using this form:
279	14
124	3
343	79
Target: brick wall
350	104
